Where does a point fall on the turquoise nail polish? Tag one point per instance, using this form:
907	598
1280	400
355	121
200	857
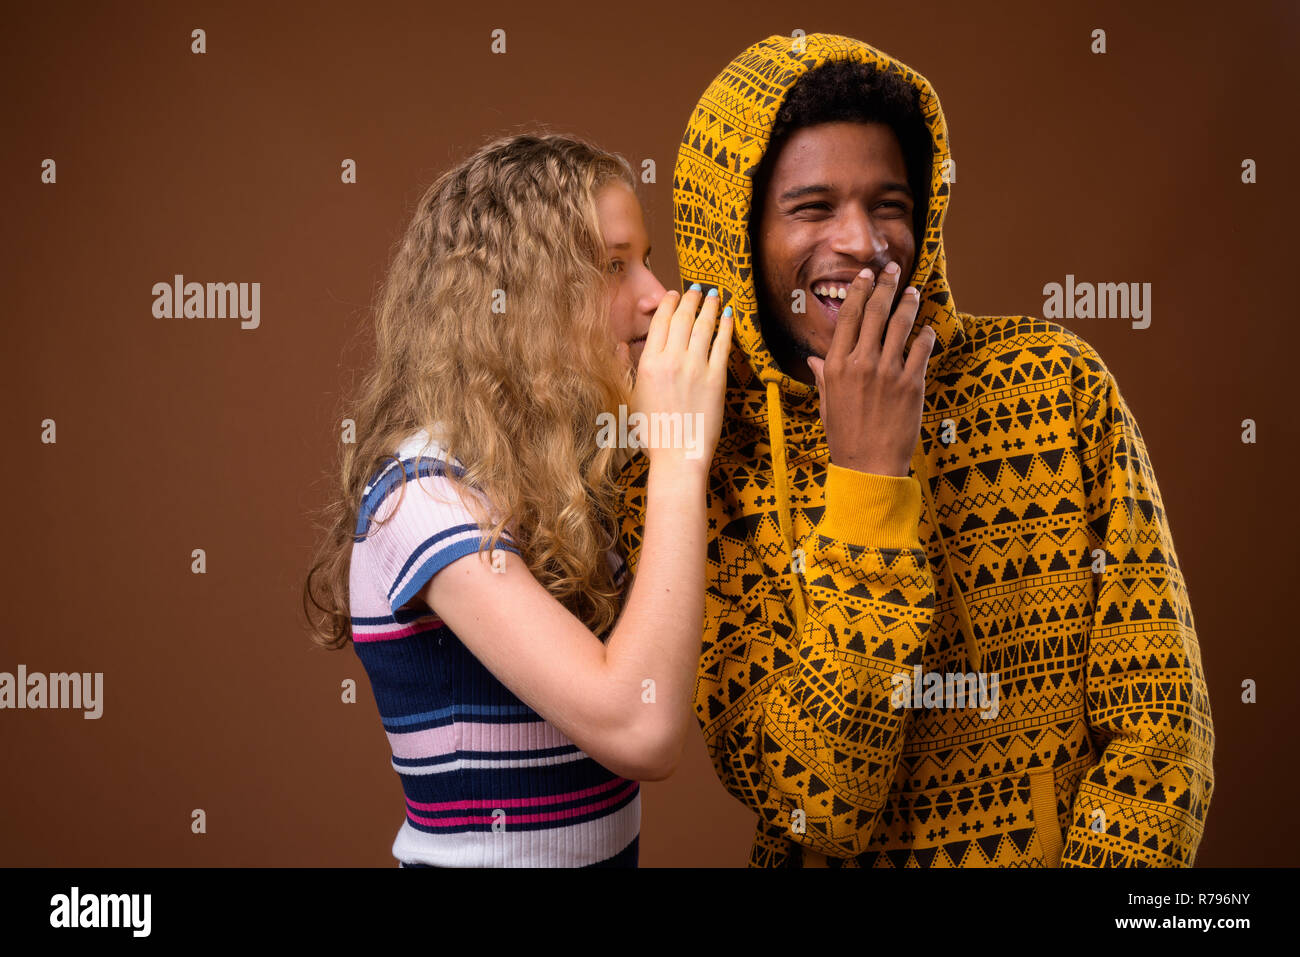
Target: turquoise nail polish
727	311
695	287
713	292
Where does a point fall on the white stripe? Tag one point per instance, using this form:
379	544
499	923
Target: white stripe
475	764
573	845
415	444
419	443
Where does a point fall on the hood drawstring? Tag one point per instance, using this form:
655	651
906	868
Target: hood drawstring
776	439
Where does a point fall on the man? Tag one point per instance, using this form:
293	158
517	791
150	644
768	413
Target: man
945	625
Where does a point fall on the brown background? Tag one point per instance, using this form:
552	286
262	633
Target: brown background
182	434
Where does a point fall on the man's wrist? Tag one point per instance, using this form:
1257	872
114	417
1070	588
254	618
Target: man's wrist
874	466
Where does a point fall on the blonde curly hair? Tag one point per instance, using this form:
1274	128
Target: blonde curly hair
514	397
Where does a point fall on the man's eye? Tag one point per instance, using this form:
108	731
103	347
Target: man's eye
810	206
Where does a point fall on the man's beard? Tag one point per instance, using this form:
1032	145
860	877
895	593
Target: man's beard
785	347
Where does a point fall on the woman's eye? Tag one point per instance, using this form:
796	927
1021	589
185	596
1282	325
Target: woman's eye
615	265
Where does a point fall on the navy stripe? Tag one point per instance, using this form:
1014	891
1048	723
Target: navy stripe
419	552
436	563
423	762
482	714
411	471
403	617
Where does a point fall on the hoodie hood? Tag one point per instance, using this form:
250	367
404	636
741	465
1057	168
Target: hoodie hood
725	139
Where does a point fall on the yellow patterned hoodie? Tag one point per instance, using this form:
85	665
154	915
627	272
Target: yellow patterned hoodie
1029	547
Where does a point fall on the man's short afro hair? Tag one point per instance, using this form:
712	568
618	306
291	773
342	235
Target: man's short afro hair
846	90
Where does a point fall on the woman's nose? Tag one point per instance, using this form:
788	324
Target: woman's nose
653	293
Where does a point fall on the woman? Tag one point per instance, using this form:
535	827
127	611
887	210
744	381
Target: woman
525	690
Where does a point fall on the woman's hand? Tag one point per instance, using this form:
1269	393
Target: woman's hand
676	412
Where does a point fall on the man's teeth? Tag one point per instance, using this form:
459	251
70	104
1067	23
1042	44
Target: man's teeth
830	291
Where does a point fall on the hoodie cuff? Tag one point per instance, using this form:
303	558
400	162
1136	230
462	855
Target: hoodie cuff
880	511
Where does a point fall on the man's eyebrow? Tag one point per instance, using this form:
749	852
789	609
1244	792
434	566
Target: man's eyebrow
798	191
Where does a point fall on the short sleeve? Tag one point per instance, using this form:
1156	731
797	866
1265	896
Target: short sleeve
407	534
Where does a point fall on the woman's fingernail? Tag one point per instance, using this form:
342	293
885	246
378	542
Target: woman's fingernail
726	311
713	292
695	287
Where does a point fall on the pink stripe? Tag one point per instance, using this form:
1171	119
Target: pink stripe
414	629
515	802
526	818
476	736
423	744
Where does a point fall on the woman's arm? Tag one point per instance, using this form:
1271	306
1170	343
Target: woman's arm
626	702
592	692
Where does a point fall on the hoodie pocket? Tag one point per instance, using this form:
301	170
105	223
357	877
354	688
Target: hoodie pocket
1042	798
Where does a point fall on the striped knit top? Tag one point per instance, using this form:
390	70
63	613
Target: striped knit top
488	781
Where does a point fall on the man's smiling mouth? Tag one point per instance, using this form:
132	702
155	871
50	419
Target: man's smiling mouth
831	296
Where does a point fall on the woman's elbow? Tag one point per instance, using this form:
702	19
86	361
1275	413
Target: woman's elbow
642	753
655	758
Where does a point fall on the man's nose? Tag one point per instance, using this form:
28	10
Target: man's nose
855	236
